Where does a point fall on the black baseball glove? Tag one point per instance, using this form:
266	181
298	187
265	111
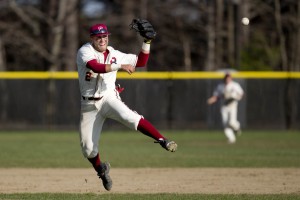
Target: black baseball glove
144	28
228	101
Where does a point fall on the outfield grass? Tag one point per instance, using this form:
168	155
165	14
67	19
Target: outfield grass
132	149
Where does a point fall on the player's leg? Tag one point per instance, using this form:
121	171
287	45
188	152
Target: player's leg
230	135
120	112
89	131
91	123
145	127
148	129
227	130
233	122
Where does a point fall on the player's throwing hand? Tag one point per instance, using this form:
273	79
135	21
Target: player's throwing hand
128	68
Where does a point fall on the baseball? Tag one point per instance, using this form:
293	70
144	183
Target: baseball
245	21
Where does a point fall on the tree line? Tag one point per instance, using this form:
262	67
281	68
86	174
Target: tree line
193	35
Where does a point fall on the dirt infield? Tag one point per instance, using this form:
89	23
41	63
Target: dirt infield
154	180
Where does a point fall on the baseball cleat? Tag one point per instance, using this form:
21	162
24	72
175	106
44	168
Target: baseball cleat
103	173
237	132
168	145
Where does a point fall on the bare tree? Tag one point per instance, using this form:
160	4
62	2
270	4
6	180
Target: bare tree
281	36
44	33
245	13
294	42
2	56
3	87
211	37
192	34
230	35
128	8
71	36
63	22
219	33
185	42
297	51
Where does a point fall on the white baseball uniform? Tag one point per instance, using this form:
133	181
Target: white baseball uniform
101	85
229	94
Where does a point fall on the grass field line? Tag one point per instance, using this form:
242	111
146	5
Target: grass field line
153	180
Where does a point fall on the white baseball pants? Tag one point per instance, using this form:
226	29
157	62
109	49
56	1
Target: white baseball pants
93	117
230	122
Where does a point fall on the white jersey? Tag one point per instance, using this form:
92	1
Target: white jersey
231	91
95	84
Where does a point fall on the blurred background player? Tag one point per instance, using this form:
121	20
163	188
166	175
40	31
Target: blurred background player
229	93
98	65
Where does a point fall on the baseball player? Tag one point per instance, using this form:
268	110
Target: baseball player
229	92
98	65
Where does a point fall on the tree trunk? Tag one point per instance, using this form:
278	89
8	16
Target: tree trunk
71	39
3	87
187	54
296	66
211	36
128	10
219	34
245	30
230	35
281	36
57	34
2	56
187	61
55	48
291	103
237	37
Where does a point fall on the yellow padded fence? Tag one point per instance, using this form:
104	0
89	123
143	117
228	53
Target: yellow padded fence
151	75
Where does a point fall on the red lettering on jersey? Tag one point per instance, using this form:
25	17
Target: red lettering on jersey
113	60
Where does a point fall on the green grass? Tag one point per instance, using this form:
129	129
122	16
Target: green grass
132	149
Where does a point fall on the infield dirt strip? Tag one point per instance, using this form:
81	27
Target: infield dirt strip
153	180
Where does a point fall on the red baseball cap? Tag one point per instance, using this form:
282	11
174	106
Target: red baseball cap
98	29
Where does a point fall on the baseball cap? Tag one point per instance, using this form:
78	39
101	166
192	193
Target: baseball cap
98	29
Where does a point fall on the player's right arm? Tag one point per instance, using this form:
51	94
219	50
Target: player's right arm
87	58
218	92
212	100
105	68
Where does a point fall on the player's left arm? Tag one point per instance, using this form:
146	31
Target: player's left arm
143	56
213	99
239	92
216	95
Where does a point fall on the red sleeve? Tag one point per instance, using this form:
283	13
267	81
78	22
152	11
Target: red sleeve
142	60
95	66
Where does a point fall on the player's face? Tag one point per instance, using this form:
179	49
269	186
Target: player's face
228	79
100	42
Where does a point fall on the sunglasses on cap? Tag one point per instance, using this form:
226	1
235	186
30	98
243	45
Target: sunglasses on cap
101	31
